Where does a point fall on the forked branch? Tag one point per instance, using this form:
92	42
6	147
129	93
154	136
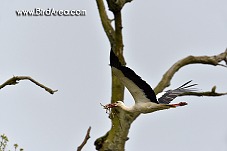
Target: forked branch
15	80
106	22
209	60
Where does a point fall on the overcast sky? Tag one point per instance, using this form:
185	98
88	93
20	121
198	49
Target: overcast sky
71	54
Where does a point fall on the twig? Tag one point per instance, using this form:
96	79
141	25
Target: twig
206	93
79	148
209	60
15	80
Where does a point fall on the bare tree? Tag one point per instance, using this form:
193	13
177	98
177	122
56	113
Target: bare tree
115	138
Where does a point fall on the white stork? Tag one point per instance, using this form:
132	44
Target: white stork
145	99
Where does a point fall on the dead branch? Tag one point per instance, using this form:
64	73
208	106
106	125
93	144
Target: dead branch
206	93
79	148
114	36
209	60
106	22
15	80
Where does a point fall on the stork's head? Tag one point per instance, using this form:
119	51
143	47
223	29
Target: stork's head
122	106
118	104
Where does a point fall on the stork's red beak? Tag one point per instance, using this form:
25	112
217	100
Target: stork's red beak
111	105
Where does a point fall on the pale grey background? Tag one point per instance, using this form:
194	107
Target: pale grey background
71	54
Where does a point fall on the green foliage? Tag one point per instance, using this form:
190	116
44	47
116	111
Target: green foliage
4	143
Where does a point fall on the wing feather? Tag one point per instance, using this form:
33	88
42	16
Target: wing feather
139	89
167	96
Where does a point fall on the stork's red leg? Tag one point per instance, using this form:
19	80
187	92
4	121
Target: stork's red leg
179	104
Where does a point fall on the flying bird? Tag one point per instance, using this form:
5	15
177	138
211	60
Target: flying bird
145	99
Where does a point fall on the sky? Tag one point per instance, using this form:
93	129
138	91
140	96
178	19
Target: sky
71	54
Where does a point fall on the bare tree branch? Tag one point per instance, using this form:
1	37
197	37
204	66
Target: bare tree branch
114	36
106	22
79	148
15	80
206	93
118	47
210	60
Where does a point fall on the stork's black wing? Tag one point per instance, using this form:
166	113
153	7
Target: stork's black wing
139	89
167	96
